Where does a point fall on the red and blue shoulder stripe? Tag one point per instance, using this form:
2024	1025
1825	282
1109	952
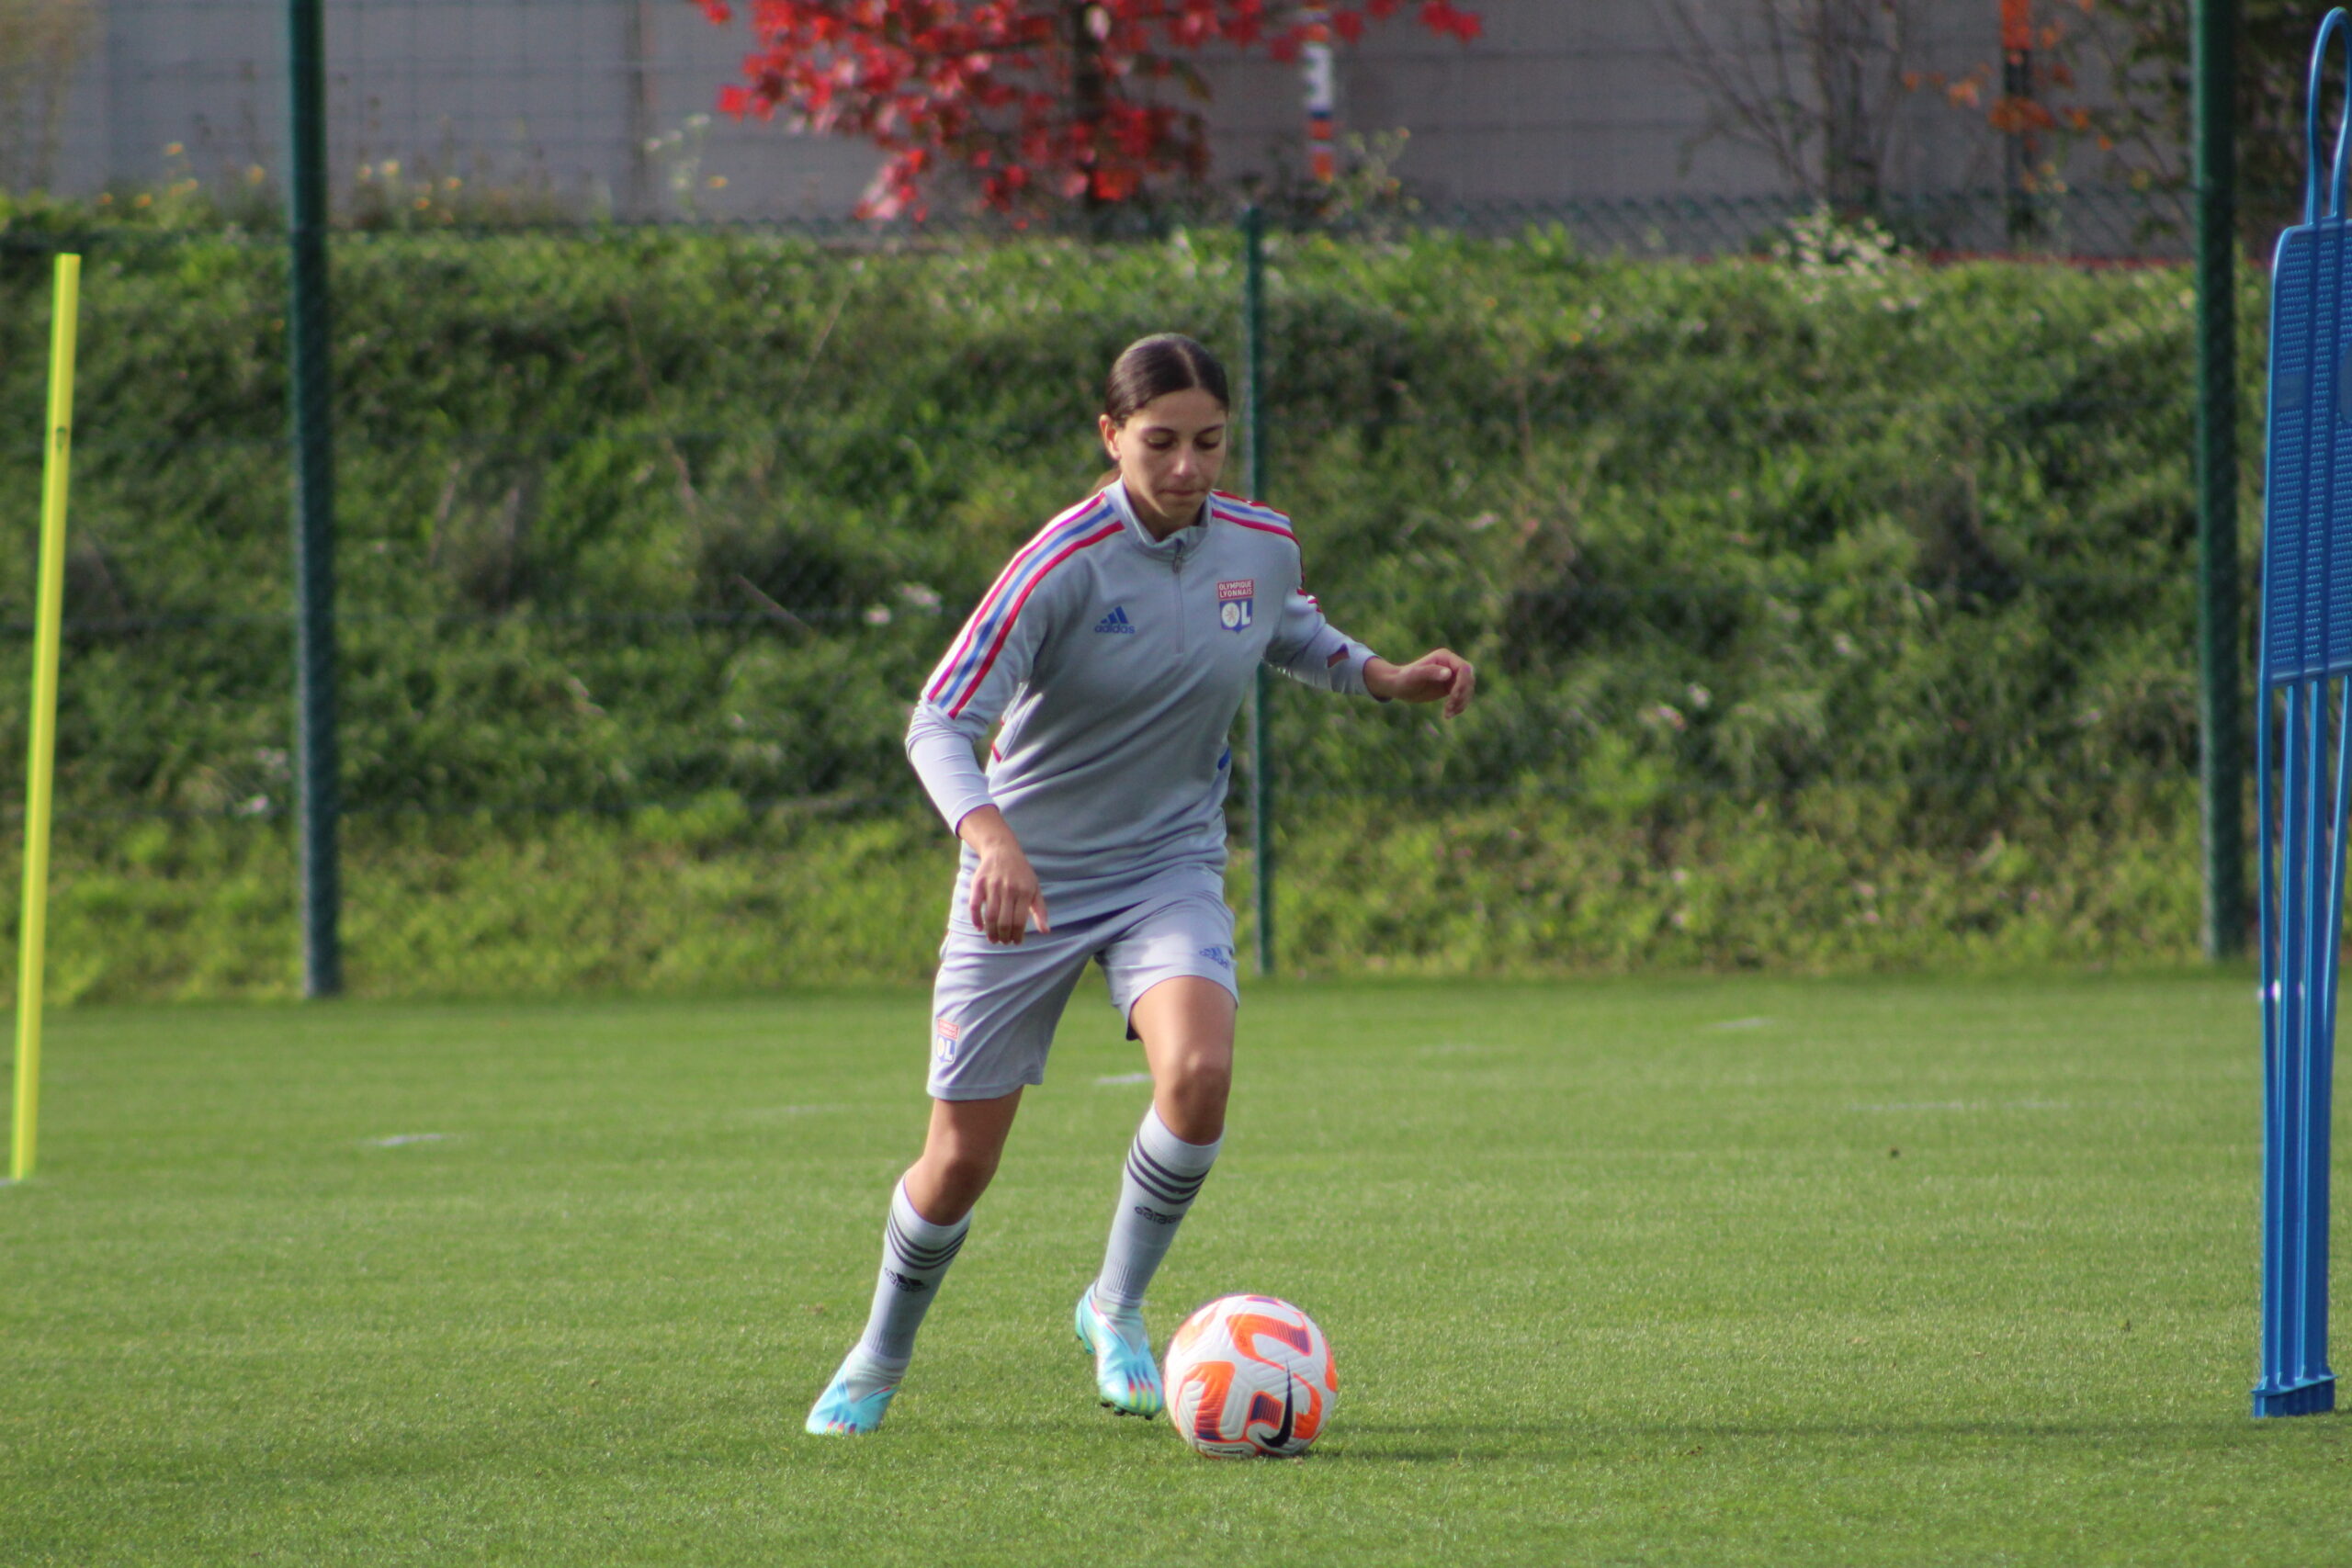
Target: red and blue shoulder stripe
1250	515
974	653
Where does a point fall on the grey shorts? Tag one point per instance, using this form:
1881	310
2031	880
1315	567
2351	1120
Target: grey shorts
993	1008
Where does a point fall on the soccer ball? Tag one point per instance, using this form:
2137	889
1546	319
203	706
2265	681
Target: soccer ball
1249	1375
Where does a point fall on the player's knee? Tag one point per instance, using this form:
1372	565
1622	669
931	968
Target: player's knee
1201	1079
1212	1080
1208	1062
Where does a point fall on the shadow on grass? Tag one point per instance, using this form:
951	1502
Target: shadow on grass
1370	1443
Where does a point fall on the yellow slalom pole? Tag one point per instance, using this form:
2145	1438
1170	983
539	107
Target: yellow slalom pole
57	458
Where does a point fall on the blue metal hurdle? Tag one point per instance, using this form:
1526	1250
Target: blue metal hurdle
2303	759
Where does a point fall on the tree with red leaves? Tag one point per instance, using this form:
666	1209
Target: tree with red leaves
2115	74
1038	102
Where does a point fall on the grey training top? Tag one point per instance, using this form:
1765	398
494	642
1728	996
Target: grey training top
1117	662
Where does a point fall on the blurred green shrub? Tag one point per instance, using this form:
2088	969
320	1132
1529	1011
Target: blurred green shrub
661	518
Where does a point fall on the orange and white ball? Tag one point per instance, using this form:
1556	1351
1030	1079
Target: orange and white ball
1248	1376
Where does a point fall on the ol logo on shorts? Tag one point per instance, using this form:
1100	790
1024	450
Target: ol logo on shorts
1234	602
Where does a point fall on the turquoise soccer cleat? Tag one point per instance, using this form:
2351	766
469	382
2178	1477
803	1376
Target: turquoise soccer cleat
1126	1377
840	1413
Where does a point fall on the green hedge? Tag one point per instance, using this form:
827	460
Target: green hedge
636	517
710	897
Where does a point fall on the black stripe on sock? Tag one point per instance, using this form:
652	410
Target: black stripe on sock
1159	1188
1172	1191
1160	1180
1171	1177
1138	1149
920	1262
921	1258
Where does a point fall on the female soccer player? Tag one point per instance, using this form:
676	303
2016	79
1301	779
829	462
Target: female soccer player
1116	647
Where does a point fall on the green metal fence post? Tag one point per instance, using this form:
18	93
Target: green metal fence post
2223	762
1262	750
318	804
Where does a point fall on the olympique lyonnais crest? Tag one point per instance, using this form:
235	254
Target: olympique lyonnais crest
1234	600
947	1032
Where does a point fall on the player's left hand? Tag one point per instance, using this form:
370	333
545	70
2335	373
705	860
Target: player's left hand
1439	673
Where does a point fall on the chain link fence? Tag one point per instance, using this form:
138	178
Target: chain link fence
1832	588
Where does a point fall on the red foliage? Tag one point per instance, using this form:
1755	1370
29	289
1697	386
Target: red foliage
1040	100
2022	116
2016	115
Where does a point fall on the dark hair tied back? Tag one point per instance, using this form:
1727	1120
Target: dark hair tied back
1157	365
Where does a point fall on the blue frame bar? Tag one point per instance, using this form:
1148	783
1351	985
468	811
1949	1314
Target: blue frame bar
2303	759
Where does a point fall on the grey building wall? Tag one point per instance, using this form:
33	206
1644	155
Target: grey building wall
548	102
555	102
1560	100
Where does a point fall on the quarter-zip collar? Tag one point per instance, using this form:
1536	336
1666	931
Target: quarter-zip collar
1175	548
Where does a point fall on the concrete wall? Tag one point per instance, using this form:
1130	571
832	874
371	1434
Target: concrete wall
554	102
551	102
1565	100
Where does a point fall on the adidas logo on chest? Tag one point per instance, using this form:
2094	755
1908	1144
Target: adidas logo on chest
1116	623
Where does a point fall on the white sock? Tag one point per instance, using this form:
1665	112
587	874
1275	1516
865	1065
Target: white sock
1164	1174
864	1373
915	1256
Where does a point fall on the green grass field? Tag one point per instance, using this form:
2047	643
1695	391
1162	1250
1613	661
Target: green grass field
1704	1273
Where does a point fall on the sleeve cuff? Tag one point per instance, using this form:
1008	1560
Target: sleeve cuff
943	759
1348	675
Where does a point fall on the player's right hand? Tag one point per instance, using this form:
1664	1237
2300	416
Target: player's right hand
1005	893
1004	896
